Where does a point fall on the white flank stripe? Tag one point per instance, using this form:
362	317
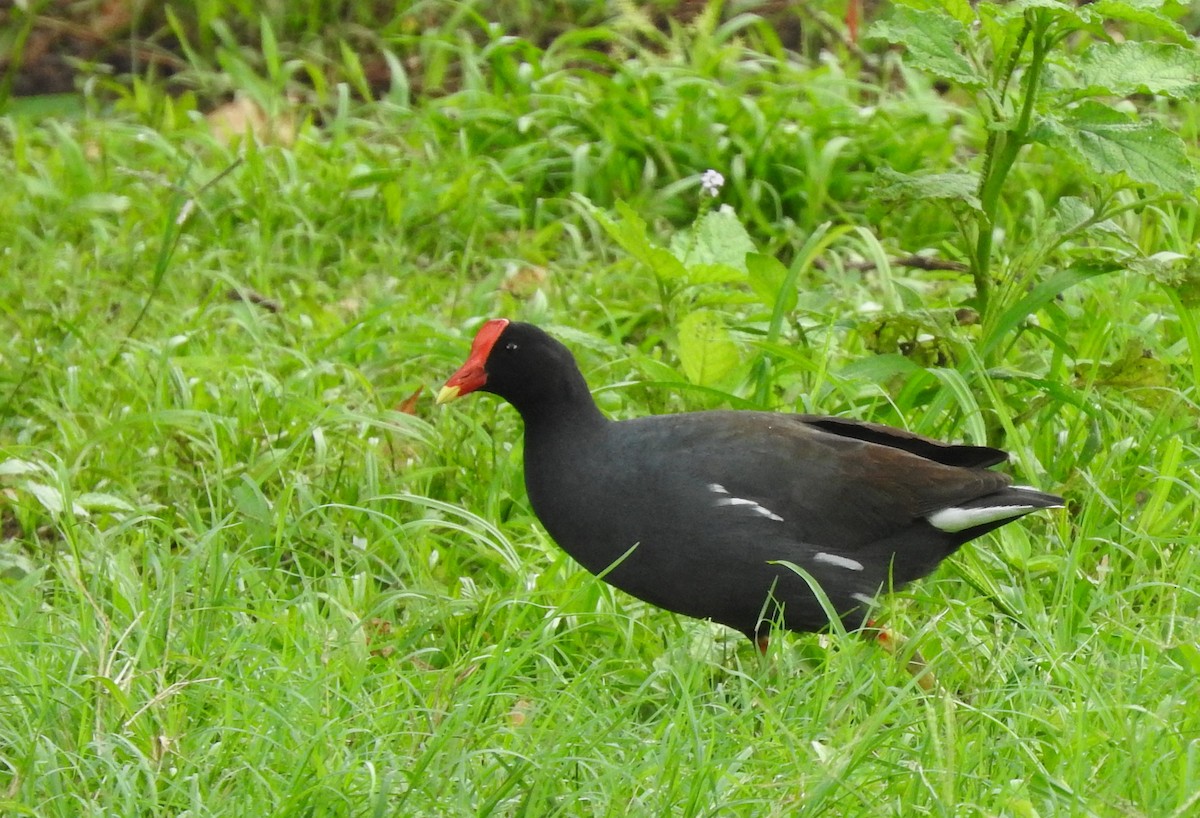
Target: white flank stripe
839	561
766	512
952	520
717	488
753	506
864	599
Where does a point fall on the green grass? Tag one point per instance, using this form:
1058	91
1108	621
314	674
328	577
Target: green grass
237	579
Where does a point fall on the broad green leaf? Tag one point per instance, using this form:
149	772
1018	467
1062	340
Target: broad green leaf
1072	213
1002	21
891	185
1139	371
706	350
1108	141
663	263
931	39
714	274
1146	14
912	334
1017	8
631	236
1188	290
717	238
767	277
960	10
1116	233
1175	270
1141	68
1139	5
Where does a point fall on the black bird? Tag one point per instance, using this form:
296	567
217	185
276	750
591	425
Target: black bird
695	512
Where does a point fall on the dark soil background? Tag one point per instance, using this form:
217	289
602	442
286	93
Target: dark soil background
49	47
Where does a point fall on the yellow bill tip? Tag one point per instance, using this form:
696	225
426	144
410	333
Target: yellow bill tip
447	394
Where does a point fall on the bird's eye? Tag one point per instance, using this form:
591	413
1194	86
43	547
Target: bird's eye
510	346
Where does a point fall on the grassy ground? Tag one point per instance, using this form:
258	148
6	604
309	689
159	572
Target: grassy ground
244	574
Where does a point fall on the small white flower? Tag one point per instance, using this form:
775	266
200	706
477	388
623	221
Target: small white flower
711	182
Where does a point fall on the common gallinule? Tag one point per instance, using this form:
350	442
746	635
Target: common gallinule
696	512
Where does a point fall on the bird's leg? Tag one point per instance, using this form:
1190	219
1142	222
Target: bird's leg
917	665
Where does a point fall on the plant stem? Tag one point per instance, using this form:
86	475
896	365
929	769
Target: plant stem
1001	152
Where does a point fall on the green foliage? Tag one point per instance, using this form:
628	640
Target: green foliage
1036	74
245	565
955	188
933	40
706	352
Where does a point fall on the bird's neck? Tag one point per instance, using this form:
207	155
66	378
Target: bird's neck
568	407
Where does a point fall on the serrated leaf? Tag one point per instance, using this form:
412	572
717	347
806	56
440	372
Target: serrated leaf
767	276
706	350
1108	141
1072	213
1115	232
892	185
716	238
931	39
1145	13
1175	270
1141	68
